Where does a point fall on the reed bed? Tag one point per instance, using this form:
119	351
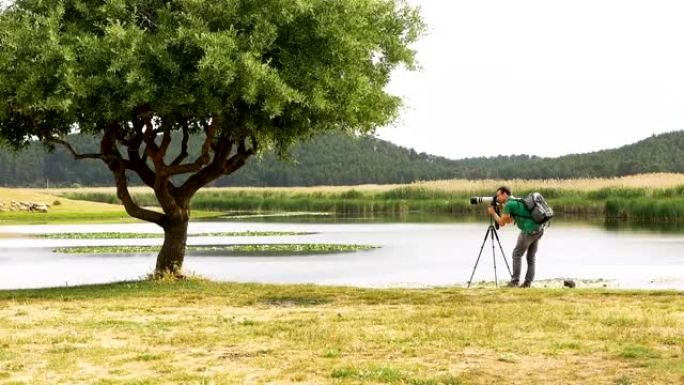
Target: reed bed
648	197
631	203
647	181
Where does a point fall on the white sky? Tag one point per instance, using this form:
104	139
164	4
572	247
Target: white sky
542	78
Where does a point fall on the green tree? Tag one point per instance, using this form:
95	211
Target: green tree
245	74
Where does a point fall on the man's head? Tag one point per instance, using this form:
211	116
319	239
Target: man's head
502	194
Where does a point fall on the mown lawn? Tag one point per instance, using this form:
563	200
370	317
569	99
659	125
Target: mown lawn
200	332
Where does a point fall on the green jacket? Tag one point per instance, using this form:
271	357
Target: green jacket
521	215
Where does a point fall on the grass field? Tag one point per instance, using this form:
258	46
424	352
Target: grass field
198	332
63	209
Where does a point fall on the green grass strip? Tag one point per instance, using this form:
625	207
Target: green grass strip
112	235
230	249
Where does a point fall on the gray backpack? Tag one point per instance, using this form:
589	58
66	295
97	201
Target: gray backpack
540	211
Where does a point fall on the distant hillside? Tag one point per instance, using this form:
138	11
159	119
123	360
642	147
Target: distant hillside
658	153
341	160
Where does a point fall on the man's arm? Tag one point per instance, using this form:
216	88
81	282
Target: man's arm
502	220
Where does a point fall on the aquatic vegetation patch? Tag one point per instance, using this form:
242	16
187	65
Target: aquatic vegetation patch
254	249
113	235
241	215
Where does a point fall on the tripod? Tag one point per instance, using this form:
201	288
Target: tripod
491	232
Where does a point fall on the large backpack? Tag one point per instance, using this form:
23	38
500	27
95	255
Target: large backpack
540	211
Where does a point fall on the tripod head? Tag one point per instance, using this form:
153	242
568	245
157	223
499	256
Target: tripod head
493	223
497	209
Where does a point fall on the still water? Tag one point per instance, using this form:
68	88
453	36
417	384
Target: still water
414	254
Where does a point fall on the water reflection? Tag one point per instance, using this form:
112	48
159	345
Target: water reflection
609	224
640	226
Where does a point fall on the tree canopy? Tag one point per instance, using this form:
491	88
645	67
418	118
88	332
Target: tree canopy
273	69
247	74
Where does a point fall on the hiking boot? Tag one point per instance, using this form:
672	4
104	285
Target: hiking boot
526	284
512	284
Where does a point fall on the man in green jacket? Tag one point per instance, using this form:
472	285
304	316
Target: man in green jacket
528	240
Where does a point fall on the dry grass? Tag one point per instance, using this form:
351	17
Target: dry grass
209	333
64	210
649	181
312	189
48	197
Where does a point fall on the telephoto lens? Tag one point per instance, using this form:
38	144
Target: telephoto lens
478	200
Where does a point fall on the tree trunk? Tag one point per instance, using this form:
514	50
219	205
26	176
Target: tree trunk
172	253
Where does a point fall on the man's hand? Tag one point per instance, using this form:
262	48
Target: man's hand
501	220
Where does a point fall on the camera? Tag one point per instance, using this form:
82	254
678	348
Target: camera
490	201
484	200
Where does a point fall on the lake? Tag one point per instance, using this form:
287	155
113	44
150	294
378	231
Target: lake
411	254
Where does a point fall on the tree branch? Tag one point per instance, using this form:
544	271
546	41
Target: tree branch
210	172
184	145
238	160
149	136
137	164
164	190
72	150
207	127
118	166
203	159
124	196
166	139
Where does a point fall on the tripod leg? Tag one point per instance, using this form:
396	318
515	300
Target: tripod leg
503	254
496	279
478	257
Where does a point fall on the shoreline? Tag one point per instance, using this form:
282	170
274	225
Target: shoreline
582	285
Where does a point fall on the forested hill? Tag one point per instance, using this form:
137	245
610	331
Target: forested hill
342	160
658	153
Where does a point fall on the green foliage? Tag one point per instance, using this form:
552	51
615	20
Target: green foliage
277	70
646	208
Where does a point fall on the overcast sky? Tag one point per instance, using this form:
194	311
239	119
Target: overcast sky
541	77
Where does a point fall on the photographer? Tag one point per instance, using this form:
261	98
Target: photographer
530	233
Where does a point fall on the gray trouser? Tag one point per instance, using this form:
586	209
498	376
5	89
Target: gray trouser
529	243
